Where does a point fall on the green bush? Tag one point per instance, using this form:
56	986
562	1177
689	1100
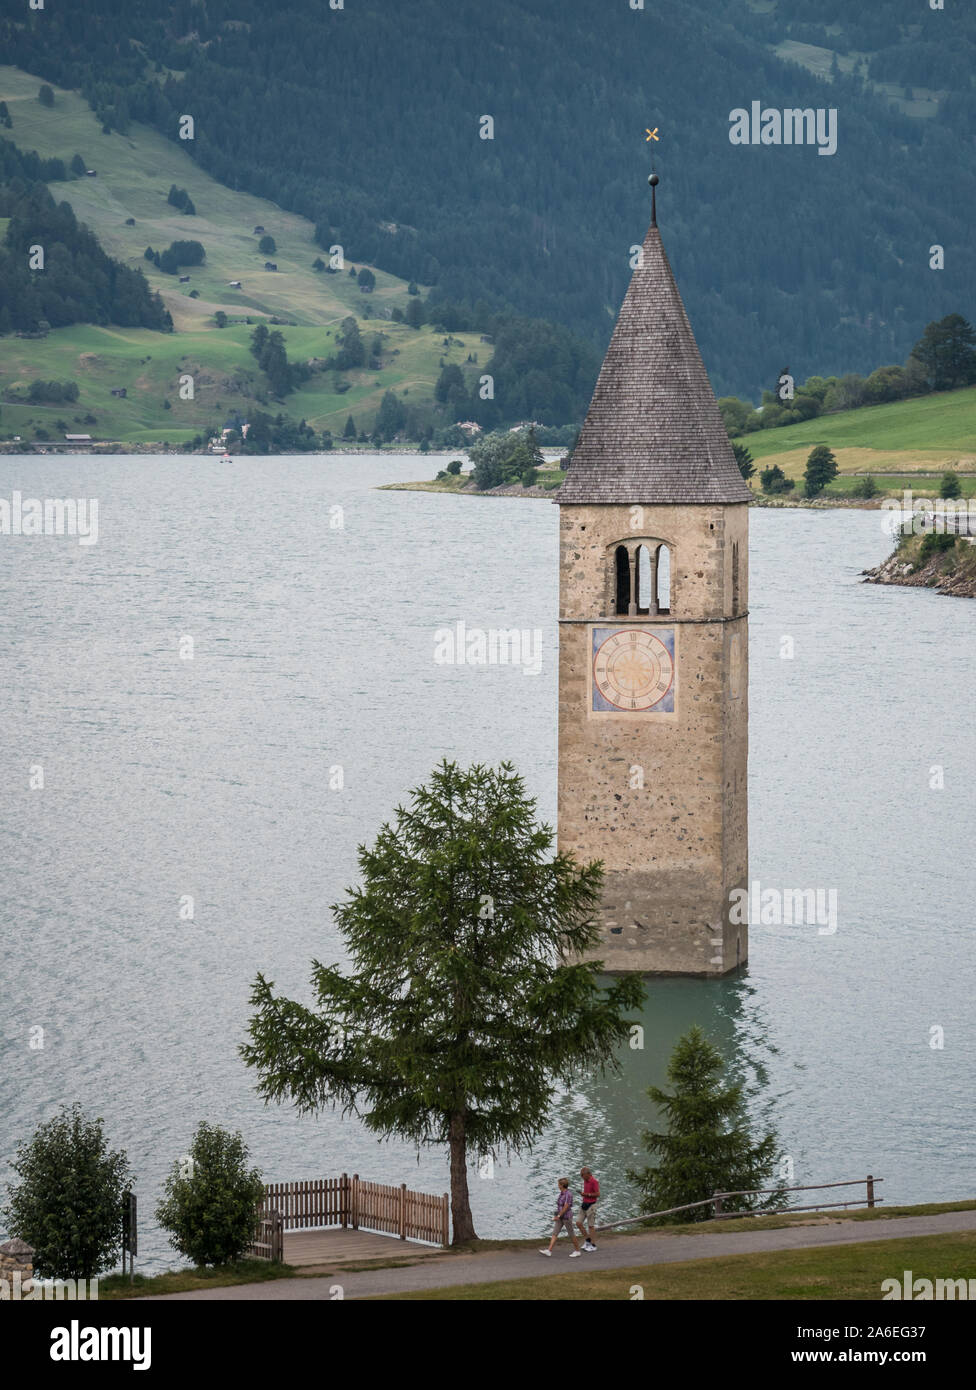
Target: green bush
212	1198
865	487
68	1203
774	480
454	467
934	543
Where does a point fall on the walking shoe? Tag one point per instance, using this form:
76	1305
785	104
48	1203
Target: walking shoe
547	1253
588	1246
574	1254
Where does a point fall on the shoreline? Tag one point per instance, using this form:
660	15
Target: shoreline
540	493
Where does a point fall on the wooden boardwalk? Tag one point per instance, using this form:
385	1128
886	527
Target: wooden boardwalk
337	1246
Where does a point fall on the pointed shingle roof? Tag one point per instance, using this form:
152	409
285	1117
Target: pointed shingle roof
653	432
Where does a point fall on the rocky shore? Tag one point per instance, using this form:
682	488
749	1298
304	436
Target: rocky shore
950	572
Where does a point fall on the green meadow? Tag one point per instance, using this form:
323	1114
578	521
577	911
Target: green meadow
927	434
133	176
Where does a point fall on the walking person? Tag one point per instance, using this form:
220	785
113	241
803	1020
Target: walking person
587	1218
563	1220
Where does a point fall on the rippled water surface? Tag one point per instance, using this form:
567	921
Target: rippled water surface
313	648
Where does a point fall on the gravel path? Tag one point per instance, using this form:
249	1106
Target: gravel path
614	1252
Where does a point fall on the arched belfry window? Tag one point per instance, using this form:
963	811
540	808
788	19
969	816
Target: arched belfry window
622	576
646	600
639	578
664	579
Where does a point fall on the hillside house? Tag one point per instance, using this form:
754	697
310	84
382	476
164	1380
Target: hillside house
270	265
184	279
235	284
258	231
120	391
78	438
91	173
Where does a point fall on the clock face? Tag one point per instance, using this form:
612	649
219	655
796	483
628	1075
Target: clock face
633	670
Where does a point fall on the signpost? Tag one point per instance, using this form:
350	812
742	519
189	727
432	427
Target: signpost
129	1234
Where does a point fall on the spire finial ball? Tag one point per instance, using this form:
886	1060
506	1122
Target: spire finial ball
654	180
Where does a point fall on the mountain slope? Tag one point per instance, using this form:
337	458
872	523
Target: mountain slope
368	120
133	175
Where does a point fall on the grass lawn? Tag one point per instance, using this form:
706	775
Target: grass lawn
841	1272
116	1286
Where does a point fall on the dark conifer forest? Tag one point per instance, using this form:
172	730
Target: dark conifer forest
368	119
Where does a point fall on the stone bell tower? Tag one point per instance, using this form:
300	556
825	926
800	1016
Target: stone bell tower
653	645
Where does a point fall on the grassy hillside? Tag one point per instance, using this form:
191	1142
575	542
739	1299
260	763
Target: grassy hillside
925	435
134	173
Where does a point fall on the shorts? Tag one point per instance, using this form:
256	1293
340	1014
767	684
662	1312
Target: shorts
563	1222
588	1215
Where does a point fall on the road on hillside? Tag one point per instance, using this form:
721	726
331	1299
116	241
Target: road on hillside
614	1252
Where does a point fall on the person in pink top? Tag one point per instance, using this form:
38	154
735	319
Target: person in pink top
587	1218
563	1219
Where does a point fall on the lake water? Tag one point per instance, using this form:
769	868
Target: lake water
313	648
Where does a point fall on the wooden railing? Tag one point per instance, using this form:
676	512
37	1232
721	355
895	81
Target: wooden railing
345	1201
268	1243
717	1198
314	1202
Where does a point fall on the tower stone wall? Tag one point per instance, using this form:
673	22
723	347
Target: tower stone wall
660	798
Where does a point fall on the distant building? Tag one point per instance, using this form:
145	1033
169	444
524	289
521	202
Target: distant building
130	221
119	391
78	438
270	265
258	231
91	173
184	279
469	426
235	284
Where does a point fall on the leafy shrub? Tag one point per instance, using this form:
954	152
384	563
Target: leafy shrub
865	487
774	480
934	543
68	1204
212	1198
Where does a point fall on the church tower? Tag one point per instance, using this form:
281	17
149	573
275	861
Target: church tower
653	645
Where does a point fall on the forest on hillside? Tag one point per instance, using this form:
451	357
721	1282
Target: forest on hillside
76	282
368	121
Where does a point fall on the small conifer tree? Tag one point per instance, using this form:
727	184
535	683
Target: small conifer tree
708	1146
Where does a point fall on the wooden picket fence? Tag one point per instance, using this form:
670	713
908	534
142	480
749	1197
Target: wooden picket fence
315	1202
348	1202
